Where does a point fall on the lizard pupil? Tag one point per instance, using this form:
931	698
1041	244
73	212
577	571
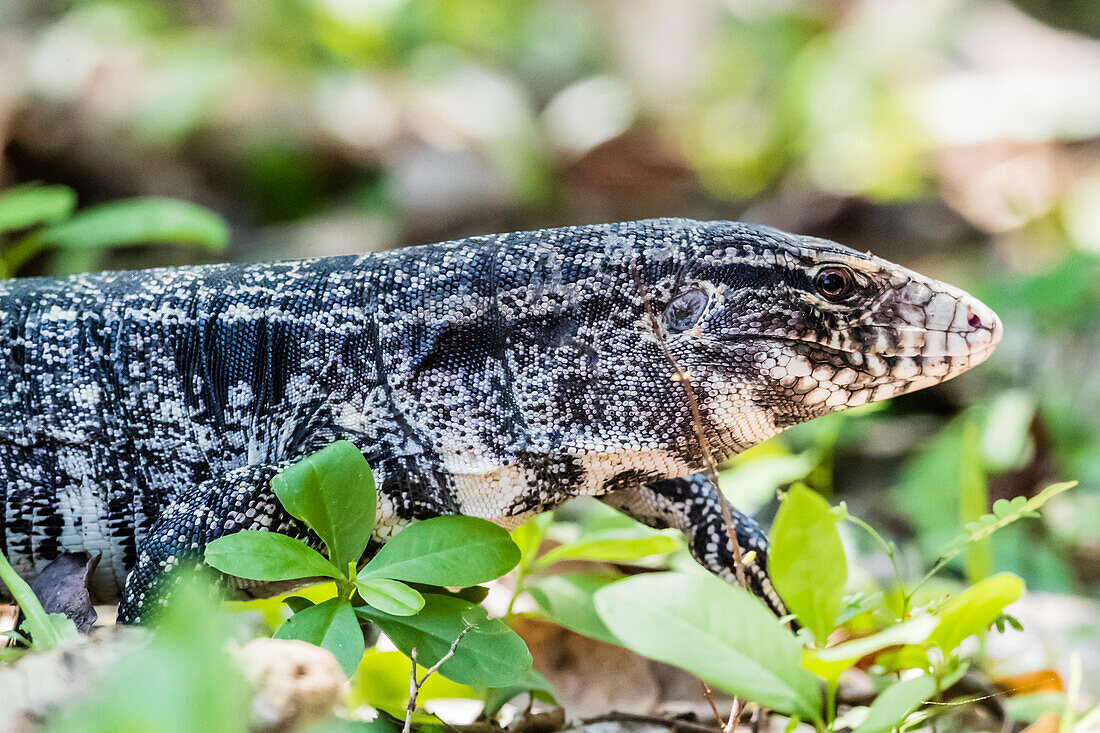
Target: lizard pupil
834	282
685	310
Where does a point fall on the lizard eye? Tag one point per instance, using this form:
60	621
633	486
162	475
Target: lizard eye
685	310
835	283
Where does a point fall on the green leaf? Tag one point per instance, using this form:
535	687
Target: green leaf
927	491
621	545
972	611
497	697
895	703
26	206
1005	512
382	724
183	680
807	563
568	600
752	478
490	654
330	625
529	536
297	603
830	663
16	636
391	596
451	550
332	491
474	593
64	626
139	221
259	555
716	631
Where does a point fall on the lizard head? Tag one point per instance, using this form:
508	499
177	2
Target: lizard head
799	327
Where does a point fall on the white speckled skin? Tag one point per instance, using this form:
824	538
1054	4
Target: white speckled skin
142	414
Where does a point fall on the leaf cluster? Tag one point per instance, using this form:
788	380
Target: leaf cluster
727	637
403	588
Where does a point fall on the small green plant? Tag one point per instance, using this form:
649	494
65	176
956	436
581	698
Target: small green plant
403	589
36	218
728	638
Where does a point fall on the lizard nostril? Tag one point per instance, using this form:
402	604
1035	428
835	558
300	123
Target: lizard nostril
975	320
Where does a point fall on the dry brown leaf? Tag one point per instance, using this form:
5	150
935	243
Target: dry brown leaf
62	587
1026	683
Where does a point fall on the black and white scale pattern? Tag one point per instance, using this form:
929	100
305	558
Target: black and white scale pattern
142	414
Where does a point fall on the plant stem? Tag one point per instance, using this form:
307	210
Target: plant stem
521	577
888	548
830	702
710	701
936	567
414	692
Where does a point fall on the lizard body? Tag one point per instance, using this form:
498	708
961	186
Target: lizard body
142	414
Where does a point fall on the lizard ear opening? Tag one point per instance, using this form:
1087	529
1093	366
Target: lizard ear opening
685	310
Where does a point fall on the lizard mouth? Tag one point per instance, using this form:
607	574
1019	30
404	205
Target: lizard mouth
955	365
914	355
817	376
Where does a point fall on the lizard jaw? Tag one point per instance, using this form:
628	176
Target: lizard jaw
820	378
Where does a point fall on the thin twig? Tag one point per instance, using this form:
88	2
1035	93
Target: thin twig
735	716
759	719
414	692
415	684
710	701
710	466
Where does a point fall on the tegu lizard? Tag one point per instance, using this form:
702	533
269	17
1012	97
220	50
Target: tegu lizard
143	414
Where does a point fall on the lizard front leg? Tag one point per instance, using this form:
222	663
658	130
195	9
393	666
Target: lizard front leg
241	499
693	505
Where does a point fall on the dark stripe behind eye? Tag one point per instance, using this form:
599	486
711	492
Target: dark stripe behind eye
742	273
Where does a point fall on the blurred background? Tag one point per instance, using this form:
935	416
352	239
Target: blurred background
961	139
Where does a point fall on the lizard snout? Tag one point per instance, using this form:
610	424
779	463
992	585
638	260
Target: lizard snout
983	329
934	321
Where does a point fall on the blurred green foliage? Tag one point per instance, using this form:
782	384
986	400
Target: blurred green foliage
181	682
35	219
